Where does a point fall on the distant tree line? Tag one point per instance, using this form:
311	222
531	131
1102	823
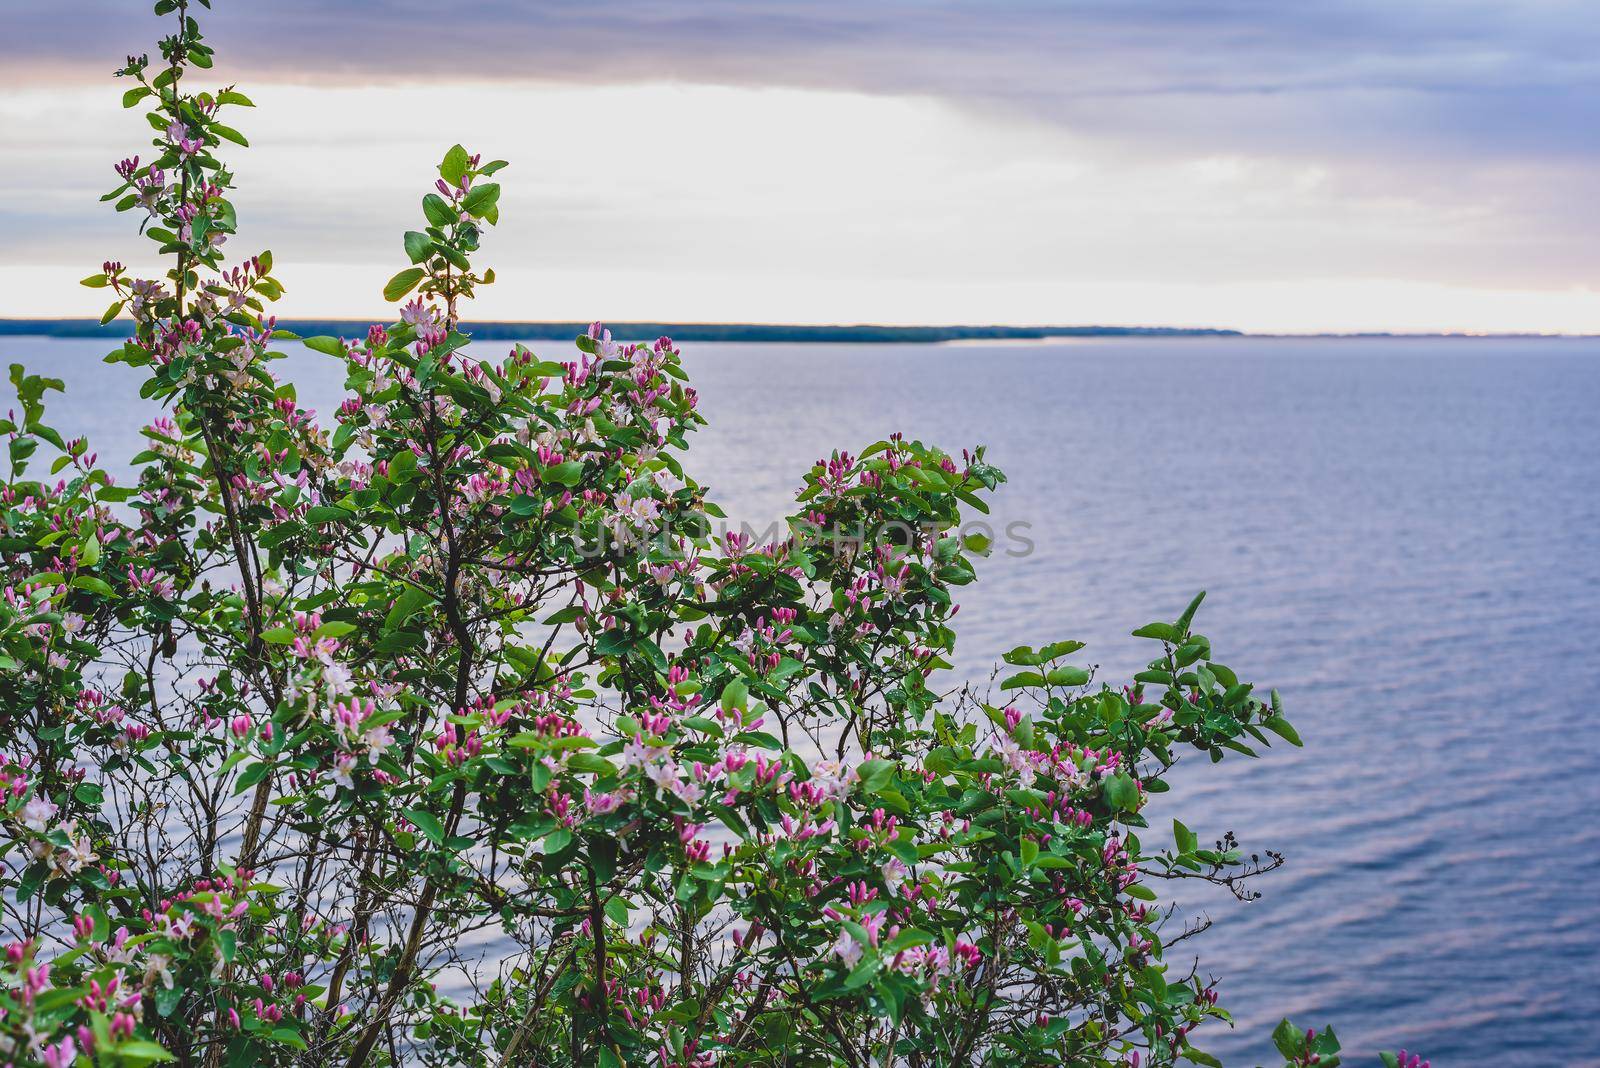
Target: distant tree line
505	331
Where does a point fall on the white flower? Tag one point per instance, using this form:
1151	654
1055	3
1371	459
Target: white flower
664	775
894	875
76	856
847	949
833	778
159	966
336	677
378	739
635	754
118	951
37	813
641	513
418	314
343	764
1016	758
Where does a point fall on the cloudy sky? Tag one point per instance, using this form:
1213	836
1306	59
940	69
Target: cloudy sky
1262	164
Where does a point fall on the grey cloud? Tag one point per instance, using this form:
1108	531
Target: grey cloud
1453	78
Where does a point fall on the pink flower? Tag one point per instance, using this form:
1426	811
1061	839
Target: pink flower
60	1055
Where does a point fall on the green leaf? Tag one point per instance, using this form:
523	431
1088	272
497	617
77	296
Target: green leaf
334	628
228	133
1281	727
418	246
167	998
289	1037
1022	679
402	466
402	283
1164	631
735	695
1024	732
1188	613
405	606
1067	676
252	775
328	346
438	210
1121	792
875	774
1289	1039
1187	840
456	163
90	553
864	972
569	473
427	823
142	1051
590	764
480	199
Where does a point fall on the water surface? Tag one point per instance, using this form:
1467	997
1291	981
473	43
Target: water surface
1403	536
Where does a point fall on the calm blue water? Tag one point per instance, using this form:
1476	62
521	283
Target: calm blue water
1402	536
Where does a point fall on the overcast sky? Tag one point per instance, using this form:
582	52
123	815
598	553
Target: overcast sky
1262	164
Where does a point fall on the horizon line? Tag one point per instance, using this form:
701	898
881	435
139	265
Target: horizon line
774	332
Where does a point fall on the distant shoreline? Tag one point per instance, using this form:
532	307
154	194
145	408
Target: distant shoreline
863	333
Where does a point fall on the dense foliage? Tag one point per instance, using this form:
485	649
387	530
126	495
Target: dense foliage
451	731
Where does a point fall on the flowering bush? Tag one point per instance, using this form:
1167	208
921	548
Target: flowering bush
449	732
